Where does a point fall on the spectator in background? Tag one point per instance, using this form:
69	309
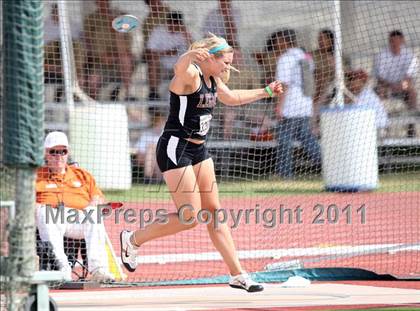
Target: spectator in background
166	44
53	71
146	146
156	17
267	59
73	189
396	69
364	96
223	21
324	73
109	52
294	107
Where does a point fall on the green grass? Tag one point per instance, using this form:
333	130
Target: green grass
408	182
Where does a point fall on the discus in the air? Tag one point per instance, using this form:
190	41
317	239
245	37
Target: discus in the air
125	23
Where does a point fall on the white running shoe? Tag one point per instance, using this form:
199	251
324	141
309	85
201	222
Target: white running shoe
100	275
244	281
128	251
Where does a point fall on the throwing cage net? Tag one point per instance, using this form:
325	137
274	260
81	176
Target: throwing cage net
327	176
22	117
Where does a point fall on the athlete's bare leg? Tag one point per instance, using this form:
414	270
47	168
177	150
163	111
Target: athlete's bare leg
220	236
182	185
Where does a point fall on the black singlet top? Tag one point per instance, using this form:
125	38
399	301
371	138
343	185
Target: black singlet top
190	115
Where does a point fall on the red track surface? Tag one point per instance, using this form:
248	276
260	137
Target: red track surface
390	218
325	308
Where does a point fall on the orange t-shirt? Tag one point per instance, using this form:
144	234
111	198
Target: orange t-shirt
75	189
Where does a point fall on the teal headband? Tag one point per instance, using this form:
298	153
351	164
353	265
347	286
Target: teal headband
219	48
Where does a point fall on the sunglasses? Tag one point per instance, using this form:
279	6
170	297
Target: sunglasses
61	152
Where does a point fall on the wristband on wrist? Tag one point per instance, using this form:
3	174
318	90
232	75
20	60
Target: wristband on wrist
269	91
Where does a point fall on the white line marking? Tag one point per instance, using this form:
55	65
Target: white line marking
281	253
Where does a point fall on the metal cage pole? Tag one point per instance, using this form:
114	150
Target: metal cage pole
338	48
66	53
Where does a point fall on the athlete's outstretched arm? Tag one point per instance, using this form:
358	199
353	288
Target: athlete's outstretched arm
242	97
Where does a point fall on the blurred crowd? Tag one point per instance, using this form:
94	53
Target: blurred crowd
103	56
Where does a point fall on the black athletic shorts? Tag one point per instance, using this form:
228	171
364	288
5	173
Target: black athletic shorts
174	152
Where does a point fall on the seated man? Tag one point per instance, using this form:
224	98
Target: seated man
62	192
395	69
364	96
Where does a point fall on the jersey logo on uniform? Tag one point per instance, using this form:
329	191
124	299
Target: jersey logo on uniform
207	100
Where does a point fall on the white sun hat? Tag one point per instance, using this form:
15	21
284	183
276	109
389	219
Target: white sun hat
56	139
